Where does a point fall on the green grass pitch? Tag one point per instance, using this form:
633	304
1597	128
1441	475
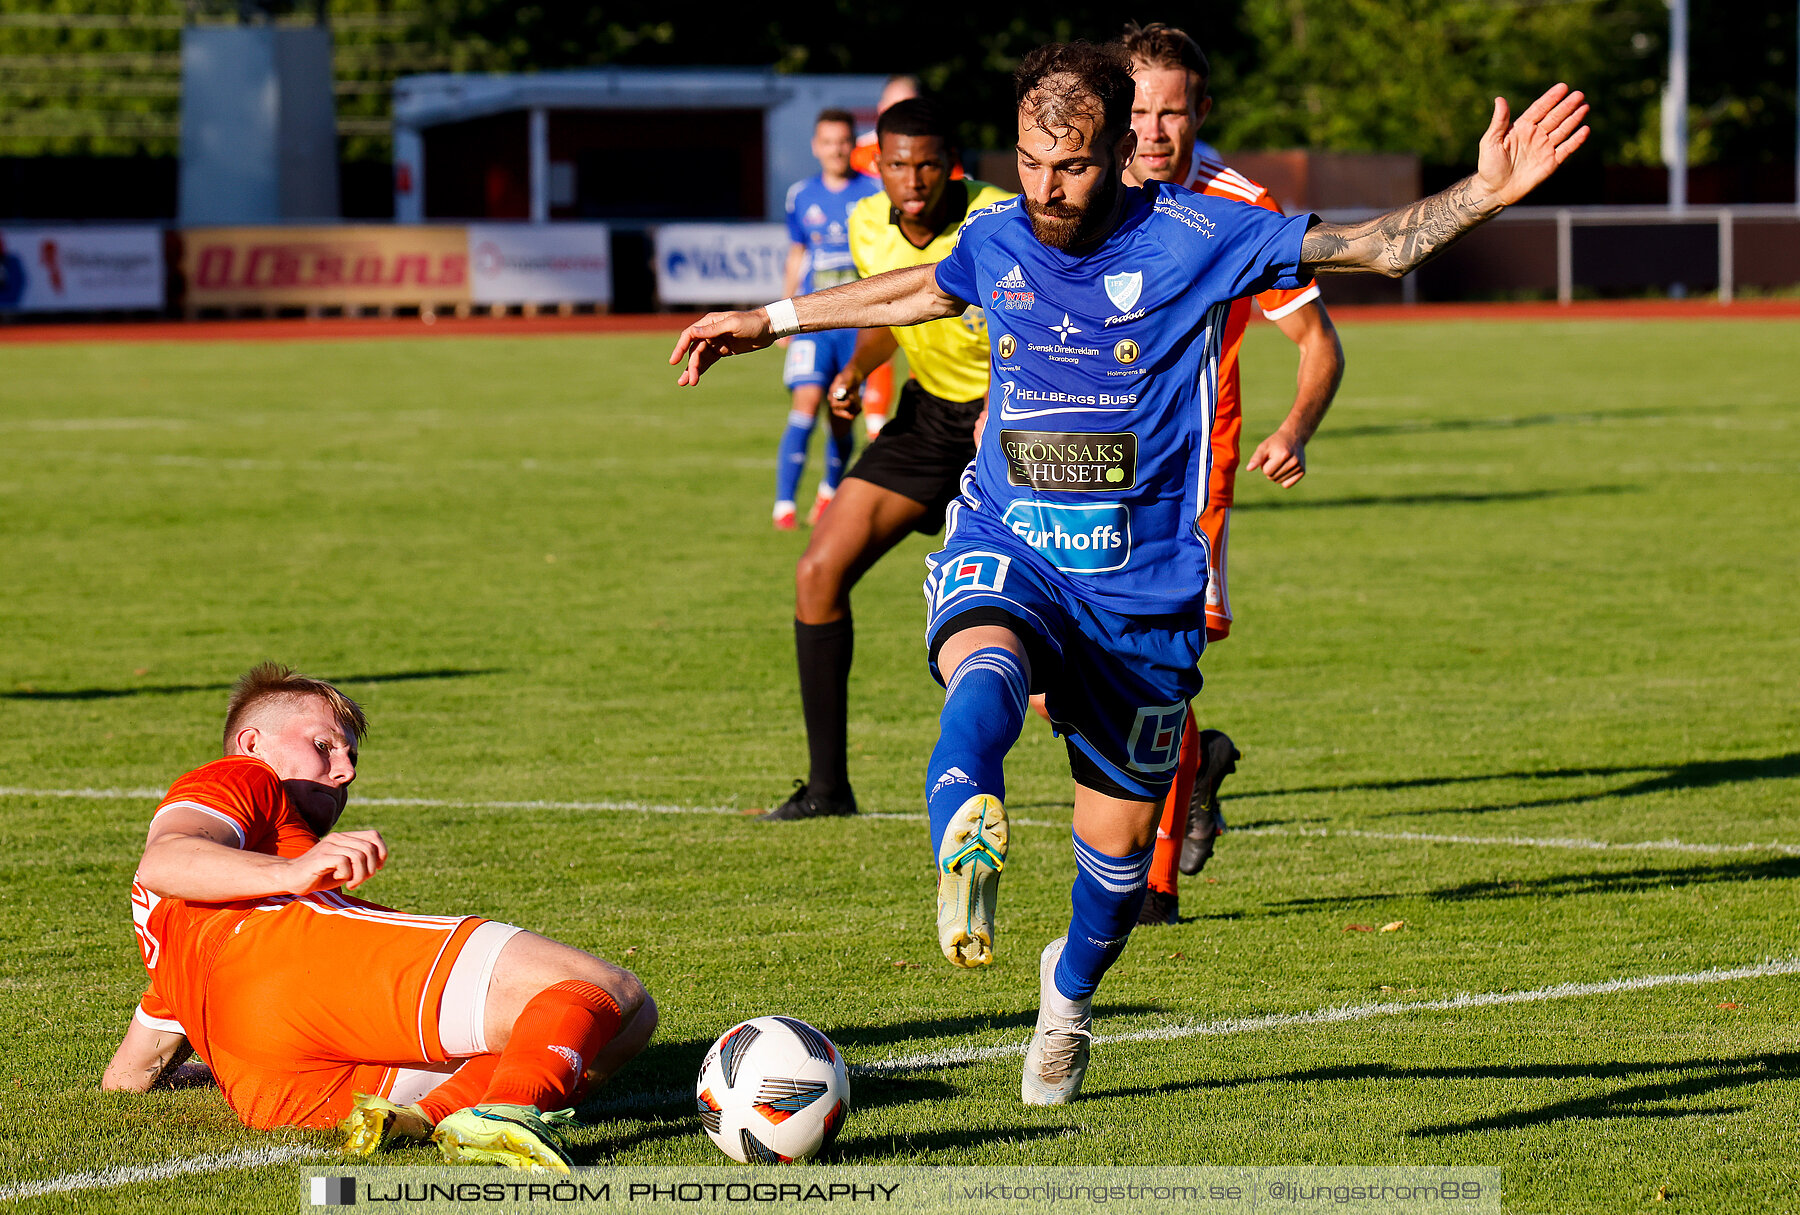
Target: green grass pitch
1541	583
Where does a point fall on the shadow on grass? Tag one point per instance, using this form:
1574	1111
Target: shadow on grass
176	689
1662	778
955	1027
1438	499
661	1121
660	1079
1630	1101
886	1147
1631	881
1657	1082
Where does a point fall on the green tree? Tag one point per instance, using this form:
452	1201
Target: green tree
1420	75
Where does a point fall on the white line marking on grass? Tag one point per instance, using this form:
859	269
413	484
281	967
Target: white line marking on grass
936	1060
961	1057
465	803
1419	837
1528	841
98	795
181	1166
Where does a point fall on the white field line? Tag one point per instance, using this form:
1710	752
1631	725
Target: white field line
963	1056
1423	837
181	1166
938	1060
452	802
1529	841
1348	1012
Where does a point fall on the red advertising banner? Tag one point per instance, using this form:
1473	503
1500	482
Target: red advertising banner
325	266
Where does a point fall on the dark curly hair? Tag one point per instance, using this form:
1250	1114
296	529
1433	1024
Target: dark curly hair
1064	81
917	117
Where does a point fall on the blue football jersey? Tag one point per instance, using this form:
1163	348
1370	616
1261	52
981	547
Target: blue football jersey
1103	385
819	218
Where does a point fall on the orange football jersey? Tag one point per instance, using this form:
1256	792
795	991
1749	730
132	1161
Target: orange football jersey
1209	176
296	1001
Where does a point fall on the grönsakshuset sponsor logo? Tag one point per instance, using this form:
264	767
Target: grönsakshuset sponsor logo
1070	462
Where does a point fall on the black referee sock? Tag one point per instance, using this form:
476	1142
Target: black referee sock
824	653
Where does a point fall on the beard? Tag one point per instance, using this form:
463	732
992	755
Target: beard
1064	225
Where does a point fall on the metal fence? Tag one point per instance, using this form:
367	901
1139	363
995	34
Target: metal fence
1562	251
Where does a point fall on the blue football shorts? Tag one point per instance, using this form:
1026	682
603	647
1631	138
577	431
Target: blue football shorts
1117	687
816	358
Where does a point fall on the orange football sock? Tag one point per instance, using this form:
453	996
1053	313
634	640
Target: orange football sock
1165	863
878	394
461	1090
552	1043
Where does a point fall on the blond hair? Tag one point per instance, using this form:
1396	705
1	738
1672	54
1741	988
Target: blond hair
271	681
1164	46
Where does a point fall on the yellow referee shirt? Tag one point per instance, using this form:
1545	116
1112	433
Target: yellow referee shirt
949	358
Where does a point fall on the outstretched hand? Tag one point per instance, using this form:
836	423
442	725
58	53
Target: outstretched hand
1517	156
717	335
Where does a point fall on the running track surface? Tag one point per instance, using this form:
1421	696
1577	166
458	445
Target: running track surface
674	322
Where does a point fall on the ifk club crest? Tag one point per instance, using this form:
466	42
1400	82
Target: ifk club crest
1124	289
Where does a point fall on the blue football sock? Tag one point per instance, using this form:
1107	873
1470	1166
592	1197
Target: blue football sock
792	458
1108	893
984	710
837	456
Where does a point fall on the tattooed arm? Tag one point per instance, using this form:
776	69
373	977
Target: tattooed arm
1516	157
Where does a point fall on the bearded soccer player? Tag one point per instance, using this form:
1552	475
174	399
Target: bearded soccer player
1171	104
314	1008
818	210
909	473
1072	563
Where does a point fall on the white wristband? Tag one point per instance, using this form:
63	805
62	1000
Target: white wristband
783	319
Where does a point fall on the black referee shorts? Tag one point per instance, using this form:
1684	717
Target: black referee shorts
922	451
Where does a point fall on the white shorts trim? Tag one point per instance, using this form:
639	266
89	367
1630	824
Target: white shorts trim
1294	305
1218	589
411	1083
149	1022
463	1010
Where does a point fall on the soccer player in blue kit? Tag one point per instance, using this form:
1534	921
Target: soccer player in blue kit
1072	564
818	218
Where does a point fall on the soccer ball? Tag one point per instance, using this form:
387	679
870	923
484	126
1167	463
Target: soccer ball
772	1090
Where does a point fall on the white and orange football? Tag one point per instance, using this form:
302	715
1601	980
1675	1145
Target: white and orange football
772	1090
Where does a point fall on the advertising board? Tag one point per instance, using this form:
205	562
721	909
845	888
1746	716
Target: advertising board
720	263
562	263
80	269
340	265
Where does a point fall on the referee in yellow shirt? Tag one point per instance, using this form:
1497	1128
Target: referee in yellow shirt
910	472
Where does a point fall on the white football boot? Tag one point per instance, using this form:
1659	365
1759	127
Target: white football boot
1056	1061
970	858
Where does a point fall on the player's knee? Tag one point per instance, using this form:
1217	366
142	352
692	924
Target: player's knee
624	987
817	578
644	1024
628	992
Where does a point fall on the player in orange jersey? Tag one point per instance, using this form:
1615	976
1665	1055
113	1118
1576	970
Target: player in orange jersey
314	1008
1172	102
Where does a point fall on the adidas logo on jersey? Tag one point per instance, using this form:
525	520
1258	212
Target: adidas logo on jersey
1013	292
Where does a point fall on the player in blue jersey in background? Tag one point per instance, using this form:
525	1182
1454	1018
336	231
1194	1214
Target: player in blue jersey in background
818	213
1072	564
